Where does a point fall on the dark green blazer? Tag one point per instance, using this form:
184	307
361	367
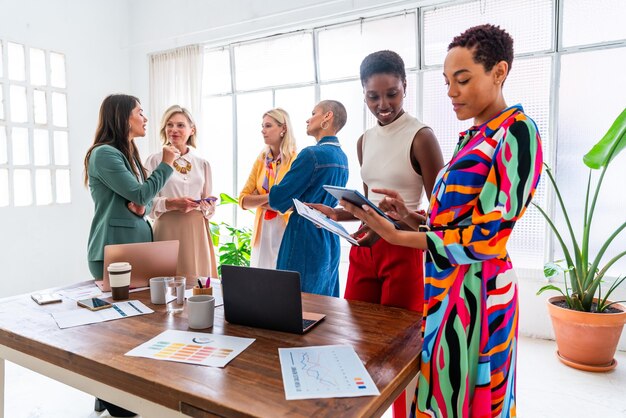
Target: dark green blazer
113	185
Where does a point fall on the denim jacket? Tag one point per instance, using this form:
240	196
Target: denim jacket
307	249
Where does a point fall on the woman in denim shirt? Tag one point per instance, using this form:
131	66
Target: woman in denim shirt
307	249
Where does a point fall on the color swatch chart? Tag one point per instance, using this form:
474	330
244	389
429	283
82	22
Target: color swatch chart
192	347
331	371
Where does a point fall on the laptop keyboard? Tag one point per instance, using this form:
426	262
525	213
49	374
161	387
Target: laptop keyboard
307	323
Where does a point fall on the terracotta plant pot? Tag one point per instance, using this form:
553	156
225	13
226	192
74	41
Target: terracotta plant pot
586	341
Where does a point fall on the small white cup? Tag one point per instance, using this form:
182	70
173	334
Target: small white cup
158	289
119	279
200	311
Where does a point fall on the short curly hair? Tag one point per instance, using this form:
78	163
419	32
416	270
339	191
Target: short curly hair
490	44
382	62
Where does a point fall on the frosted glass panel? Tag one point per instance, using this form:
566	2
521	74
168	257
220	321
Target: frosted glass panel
39	106
19	111
216	72
43	187
350	94
37	67
342	49
61	150
41	147
59	109
1	102
63	186
57	70
582	122
589	22
4	156
16	62
217	148
1	59
22	190
283	60
530	34
4	187
19	143
298	102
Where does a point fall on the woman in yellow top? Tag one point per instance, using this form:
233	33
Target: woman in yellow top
269	169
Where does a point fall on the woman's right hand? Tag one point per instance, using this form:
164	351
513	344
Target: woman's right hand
326	210
393	204
170	153
181	204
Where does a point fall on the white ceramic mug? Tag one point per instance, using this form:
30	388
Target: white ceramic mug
158	289
200	311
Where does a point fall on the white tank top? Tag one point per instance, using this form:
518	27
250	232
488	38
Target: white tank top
387	160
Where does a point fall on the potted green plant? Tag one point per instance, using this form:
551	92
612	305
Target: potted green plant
583	308
236	248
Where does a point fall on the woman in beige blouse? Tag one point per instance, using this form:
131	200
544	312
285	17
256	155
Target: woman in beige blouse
184	205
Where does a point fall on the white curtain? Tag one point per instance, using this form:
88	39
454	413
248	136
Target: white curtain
175	78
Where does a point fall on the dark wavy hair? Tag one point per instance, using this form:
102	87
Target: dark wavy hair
113	129
382	62
489	44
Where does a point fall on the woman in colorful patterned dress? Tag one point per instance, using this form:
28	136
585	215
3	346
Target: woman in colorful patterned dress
471	299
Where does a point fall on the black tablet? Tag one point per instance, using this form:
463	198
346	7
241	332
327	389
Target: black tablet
356	198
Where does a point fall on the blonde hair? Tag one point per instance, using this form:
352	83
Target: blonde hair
174	110
288	143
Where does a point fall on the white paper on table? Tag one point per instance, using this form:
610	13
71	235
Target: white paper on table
83	316
192	347
323	221
331	371
81	292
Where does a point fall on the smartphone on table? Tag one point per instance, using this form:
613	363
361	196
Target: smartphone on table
94	304
46	298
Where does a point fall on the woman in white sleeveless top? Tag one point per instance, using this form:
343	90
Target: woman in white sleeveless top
399	153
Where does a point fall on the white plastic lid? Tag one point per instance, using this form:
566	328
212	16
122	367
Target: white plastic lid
121	266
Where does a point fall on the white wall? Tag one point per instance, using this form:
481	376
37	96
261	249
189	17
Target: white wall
47	246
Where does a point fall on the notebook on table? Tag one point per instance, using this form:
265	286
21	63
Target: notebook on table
147	259
263	298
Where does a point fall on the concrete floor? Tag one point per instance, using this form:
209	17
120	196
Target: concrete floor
545	389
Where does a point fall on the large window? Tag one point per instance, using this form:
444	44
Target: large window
34	149
556	76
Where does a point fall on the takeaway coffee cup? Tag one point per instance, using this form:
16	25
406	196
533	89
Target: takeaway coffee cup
200	311
158	289
119	279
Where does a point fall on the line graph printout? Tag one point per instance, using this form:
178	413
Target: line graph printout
331	371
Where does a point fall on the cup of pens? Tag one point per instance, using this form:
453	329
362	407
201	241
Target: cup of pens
200	289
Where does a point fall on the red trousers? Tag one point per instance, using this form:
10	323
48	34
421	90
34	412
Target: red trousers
392	276
387	274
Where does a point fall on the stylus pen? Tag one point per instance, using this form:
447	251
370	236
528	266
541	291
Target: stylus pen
199	283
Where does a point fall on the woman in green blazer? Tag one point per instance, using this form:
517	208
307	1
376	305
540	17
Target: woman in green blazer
119	186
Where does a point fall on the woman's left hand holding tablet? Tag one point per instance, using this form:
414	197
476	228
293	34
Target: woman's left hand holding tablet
377	223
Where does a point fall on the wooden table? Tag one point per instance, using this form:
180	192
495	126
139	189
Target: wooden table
91	358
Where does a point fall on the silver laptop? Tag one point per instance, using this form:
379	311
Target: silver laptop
147	259
263	298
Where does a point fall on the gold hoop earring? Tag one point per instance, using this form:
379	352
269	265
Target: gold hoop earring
324	127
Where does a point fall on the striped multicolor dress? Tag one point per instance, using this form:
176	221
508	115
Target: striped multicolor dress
471	305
